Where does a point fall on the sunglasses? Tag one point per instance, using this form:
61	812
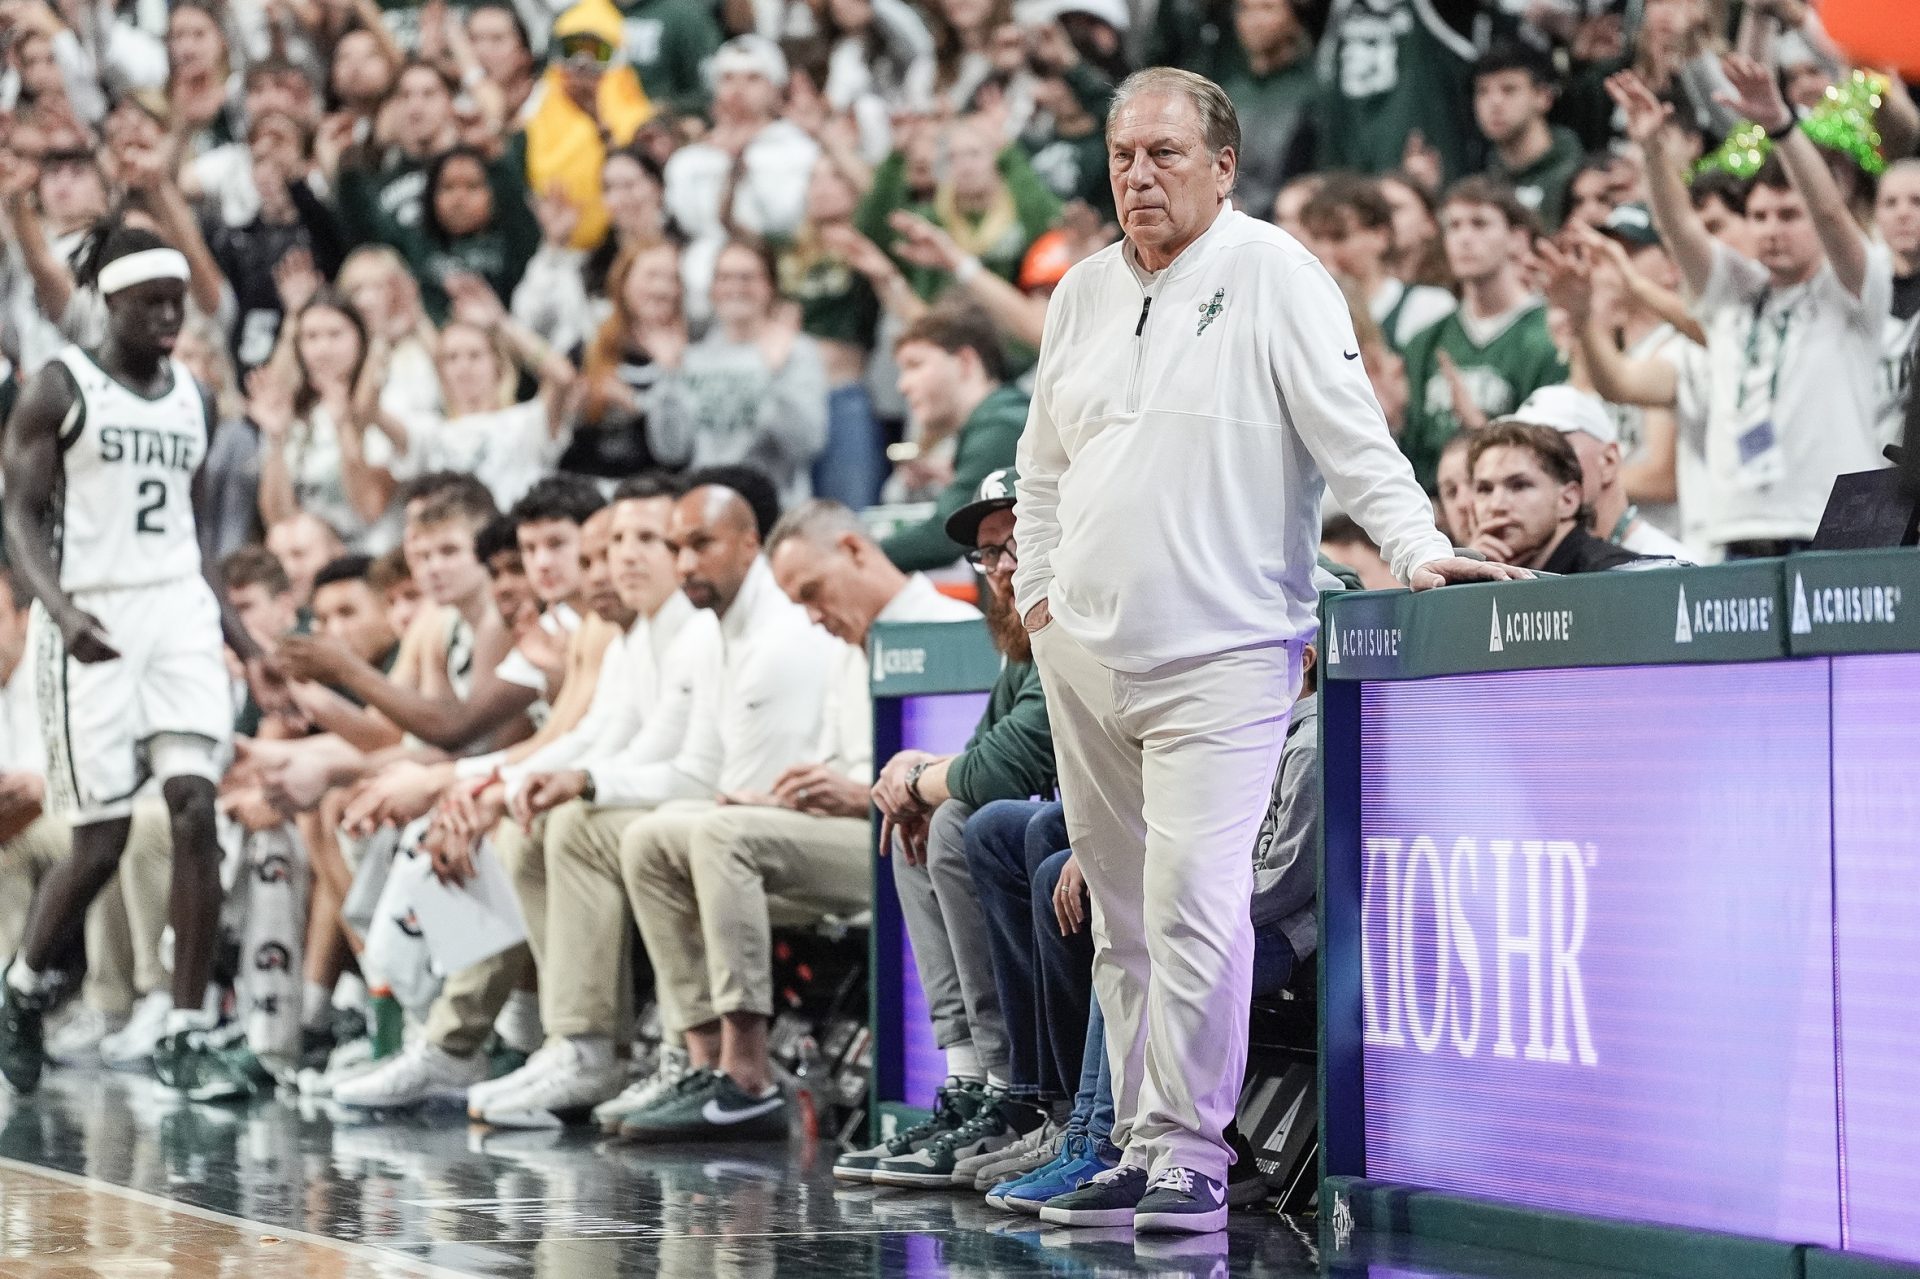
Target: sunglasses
586	48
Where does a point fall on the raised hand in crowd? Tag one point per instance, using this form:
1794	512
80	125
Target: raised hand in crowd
296	280
270	403
1645	114
558	216
330	142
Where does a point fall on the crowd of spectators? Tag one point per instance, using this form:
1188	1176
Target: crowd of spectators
590	382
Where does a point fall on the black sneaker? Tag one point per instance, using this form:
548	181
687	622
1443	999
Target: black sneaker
1107	1200
22	1040
714	1110
998	1123
1183	1201
953	1106
198	1071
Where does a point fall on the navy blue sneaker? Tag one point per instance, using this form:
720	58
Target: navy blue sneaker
22	1041
1108	1200
1183	1201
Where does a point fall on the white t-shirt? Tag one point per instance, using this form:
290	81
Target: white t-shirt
313	460
1794	392
1421	307
506	450
1631	421
1897	339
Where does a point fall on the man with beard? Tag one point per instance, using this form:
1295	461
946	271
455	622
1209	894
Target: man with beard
925	801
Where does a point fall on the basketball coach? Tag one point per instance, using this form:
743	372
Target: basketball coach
1196	382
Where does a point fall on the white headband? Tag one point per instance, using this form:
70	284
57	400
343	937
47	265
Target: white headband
138	268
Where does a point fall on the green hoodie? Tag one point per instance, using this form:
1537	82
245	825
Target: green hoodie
1010	755
987	442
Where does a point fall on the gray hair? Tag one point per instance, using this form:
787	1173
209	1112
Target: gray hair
1219	122
820	522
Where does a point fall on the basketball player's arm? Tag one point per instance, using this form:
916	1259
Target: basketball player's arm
444	722
33	472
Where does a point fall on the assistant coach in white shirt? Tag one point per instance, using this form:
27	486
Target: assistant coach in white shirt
1196	381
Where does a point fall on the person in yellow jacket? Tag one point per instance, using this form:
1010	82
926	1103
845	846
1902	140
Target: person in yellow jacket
588	99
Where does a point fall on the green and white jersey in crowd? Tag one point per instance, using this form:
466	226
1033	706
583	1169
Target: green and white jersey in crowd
1502	359
1391	67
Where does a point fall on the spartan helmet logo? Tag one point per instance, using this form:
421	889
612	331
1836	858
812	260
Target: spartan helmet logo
272	957
274	868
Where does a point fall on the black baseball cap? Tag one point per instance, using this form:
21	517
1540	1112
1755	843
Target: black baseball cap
994	494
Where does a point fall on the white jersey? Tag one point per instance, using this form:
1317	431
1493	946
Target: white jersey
126	505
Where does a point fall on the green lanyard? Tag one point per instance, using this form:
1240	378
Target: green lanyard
1627	518
1751	359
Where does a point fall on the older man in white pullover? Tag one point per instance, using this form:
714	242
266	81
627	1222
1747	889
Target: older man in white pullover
1196	382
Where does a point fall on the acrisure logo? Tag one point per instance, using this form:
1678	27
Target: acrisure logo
1478	948
1854	605
1730	615
1529	626
897	661
1362	641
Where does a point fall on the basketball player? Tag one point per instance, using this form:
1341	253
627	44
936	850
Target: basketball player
105	499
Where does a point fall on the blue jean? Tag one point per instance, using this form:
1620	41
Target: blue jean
1007	844
853	465
1273	962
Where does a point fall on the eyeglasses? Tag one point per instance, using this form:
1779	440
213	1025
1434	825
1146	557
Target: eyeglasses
987	558
587	47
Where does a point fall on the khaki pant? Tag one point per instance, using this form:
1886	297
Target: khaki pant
584	983
700	880
123	930
1165	777
472	998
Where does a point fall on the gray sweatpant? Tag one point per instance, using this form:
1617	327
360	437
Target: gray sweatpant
949	936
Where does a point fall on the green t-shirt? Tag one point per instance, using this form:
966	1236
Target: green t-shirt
836	302
1273	108
668	41
987	442
1542	185
1389	67
1511	365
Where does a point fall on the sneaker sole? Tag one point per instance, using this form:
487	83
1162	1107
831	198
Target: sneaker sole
1087	1216
1183	1223
444	1096
703	1134
912	1180
854	1176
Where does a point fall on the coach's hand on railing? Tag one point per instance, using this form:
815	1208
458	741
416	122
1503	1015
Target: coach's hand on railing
1458	568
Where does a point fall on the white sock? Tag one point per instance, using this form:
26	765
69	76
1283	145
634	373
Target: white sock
185	1019
596	1051
316	1005
999	1083
519	1022
963	1063
24	979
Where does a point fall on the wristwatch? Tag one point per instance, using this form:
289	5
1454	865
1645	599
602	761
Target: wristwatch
913	781
589	791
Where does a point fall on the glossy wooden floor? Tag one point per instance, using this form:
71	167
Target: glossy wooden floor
109	1176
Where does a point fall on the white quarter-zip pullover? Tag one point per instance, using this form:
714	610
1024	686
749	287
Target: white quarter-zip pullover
1170	472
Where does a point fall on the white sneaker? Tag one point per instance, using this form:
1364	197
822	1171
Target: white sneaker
75	1041
131	1047
482	1094
1023	1156
423	1072
642	1093
576	1080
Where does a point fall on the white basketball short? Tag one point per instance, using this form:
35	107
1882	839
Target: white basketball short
98	718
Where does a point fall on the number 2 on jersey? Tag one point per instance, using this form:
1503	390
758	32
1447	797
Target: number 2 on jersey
153	495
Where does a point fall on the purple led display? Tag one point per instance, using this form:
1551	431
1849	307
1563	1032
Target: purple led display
1598	928
1876	826
940	723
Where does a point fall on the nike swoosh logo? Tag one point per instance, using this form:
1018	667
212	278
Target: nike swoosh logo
713	1114
1351	355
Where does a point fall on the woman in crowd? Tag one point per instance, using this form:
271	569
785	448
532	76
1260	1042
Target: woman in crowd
1417	256
879	50
619	368
200	78
468	225
314	456
754	390
487	431
962	45
386	297
560	294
